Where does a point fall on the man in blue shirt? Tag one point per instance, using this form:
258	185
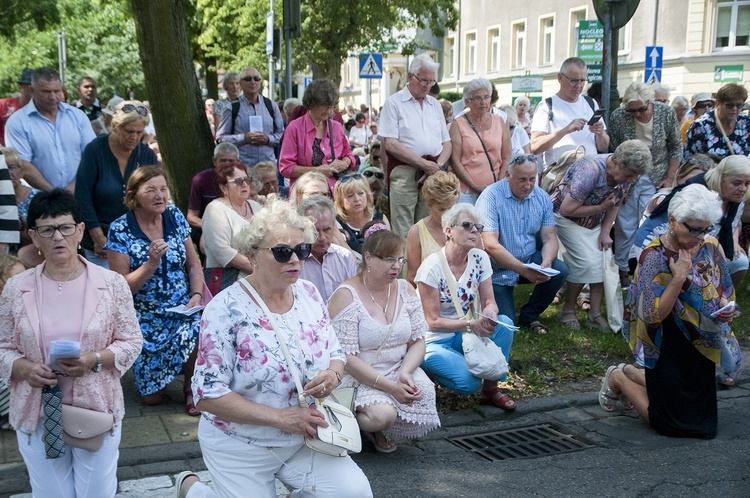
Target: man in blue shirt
256	130
519	228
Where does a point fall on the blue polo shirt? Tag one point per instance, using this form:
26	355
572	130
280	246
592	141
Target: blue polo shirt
54	148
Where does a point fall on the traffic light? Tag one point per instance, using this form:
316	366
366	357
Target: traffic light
292	18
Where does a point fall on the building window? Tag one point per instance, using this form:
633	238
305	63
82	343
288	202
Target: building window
449	56
546	41
471	53
493	50
623	40
518	42
576	16
732	24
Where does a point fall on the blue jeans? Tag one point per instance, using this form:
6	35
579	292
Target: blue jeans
540	298
444	359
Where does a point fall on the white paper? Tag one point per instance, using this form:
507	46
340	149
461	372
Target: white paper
256	123
550	272
182	311
729	306
63	349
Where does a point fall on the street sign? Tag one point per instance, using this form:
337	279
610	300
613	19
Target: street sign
724	74
371	66
652	75
594	72
653	64
590	41
523	84
269	33
622	11
307	81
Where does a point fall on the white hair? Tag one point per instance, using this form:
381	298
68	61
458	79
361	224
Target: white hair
423	61
638	92
475	85
275	214
450	218
522	100
695	202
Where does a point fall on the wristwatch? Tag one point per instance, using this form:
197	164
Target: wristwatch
98	367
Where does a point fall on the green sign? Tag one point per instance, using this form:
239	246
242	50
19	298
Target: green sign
590	41
594	72
729	73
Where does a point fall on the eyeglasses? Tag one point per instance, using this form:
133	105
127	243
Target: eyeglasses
47	231
361	122
376	174
697	231
582	81
424	82
520	159
467	225
733	105
251	78
704	105
240	181
485	98
283	254
391	261
128	108
376	158
347	178
640	110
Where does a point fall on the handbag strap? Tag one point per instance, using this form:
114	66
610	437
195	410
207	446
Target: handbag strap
494	178
451	281
724	134
330	138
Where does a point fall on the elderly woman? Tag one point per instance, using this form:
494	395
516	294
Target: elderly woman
519	138
355	208
585	205
681	106
222	221
35	310
654	124
315	142
252	428
441	192
379	322
675	328
481	142
522	105
701	103
311	183
230	84
150	246
106	165
471	272
725	130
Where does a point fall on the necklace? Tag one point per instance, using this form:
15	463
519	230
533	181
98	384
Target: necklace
387	299
237	210
61	282
667	244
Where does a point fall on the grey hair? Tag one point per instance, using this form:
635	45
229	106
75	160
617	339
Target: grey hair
658	87
475	85
256	181
275	214
573	61
732	165
680	101
512	162
231	75
44	73
450	217
290	104
512	115
695	202
638	92
317	205
634	156
521	100
226	148
423	61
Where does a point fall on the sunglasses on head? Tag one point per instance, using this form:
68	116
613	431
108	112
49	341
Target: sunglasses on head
377	174
467	225
347	178
523	158
251	78
283	253
128	108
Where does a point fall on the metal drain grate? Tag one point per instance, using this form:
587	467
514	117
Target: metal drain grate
522	442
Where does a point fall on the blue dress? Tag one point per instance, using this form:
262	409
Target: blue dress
168	338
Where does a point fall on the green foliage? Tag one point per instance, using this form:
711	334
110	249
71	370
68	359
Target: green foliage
39	13
450	96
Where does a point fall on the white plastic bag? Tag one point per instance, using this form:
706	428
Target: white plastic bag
484	358
612	291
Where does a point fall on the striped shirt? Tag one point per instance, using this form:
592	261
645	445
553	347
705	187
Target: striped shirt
516	222
9	224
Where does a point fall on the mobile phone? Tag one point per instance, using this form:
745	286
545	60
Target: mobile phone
598	114
418	175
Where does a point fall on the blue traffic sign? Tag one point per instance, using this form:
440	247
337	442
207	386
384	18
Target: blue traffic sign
654	57
371	66
652	75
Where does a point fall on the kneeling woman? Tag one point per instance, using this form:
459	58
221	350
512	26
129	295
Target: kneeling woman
681	282
471	271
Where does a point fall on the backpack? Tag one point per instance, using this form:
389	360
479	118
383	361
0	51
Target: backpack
551	115
236	112
555	172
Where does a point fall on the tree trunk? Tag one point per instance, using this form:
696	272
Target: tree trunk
179	117
329	69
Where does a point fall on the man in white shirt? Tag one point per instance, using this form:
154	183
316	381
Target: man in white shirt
564	127
414	135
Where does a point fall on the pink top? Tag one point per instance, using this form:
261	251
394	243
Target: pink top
296	149
473	157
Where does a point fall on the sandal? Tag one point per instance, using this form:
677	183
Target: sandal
496	397
568	318
392	446
598	321
179	480
538	327
190	408
624	401
557	299
607	397
584	303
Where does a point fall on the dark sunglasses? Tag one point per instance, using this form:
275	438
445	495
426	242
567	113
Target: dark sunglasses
710	105
251	78
240	181
734	105
377	174
128	108
376	158
347	178
466	225
639	110
283	254
523	158
697	231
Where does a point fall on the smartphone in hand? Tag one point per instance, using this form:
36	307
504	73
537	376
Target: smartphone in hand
598	114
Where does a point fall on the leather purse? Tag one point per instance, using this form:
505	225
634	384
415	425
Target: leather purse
84	428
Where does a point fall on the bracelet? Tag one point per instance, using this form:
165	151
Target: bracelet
468	326
338	375
376	381
196	292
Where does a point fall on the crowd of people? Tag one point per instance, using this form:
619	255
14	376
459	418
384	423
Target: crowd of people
359	249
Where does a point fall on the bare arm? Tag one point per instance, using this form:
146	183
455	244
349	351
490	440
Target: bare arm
120	263
550	245
193	219
396	149
413	253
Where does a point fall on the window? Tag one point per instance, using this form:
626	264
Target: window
546	41
471	53
576	16
493	50
449	56
518	45
732	24
623	40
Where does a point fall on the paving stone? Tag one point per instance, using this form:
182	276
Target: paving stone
143	431
146	484
570	415
181	427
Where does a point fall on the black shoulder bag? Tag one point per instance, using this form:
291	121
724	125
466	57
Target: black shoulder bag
492	170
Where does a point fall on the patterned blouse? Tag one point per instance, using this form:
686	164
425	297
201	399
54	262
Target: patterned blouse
704	137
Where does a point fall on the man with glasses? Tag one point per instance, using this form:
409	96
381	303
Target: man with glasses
416	140
49	134
701	103
254	125
563	125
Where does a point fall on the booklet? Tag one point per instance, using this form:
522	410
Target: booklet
256	123
550	272
185	311
729	306
63	349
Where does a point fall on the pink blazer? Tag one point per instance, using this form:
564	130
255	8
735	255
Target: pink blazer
111	323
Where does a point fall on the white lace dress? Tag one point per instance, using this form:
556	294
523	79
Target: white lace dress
361	336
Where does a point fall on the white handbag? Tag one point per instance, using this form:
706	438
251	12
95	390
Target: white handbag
342	434
612	291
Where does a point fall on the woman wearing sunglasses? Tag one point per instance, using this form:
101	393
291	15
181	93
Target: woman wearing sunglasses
355	208
376	179
66	298
151	247
724	130
471	277
253	428
223	219
106	165
379	322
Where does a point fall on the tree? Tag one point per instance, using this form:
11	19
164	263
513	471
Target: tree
181	125
41	13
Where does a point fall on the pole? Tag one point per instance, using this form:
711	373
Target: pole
656	21
607	67
61	56
271	80
288	50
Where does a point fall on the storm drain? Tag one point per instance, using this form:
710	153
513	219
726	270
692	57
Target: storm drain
522	442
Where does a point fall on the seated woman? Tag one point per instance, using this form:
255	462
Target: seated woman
472	272
379	322
354	208
310	183
680	283
151	247
440	192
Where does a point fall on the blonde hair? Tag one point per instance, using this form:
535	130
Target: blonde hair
729	166
344	188
440	188
295	196
120	118
11	154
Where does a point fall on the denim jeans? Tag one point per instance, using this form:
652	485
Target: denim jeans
540	298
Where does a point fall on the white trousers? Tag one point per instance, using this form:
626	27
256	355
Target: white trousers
242	469
77	474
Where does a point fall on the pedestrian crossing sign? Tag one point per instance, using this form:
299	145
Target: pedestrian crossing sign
371	66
